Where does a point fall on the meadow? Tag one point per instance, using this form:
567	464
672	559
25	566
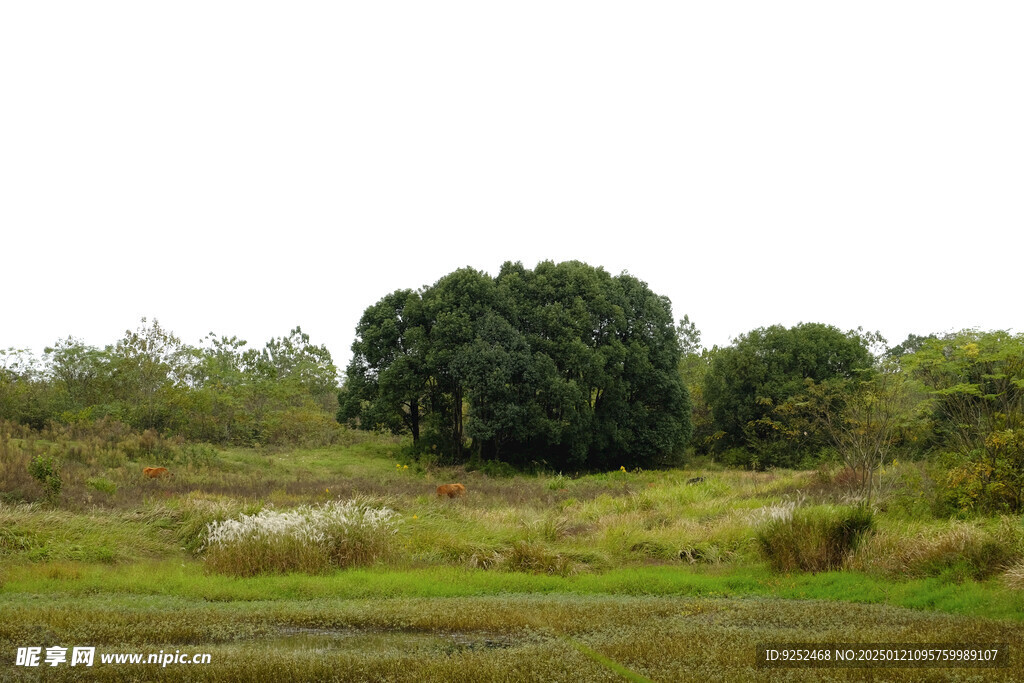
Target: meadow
642	575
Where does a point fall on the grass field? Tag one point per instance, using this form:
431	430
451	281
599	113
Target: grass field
612	576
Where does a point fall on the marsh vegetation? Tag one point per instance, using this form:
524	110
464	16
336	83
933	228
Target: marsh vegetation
521	577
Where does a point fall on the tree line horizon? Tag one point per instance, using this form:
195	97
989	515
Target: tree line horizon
563	367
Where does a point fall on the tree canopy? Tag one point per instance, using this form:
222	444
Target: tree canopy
976	382
750	386
219	391
563	364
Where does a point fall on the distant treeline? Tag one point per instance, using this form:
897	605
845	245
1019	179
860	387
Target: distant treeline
219	391
792	397
571	368
564	367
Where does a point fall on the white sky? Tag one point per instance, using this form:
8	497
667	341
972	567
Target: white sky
244	167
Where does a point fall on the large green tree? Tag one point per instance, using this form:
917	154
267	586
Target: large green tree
563	364
693	368
386	381
453	308
751	386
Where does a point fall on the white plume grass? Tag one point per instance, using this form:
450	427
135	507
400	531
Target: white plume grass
309	538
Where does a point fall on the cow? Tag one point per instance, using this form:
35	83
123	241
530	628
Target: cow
450	490
156	472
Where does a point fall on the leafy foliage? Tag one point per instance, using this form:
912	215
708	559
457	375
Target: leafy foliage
46	471
565	365
218	392
976	381
867	420
753	386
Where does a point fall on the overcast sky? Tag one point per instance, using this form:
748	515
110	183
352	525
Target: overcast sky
245	167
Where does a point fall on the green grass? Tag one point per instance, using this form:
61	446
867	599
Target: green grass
528	577
168	579
501	637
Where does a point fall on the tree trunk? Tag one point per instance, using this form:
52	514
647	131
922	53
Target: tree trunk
414	416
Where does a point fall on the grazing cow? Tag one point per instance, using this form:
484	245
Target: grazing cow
695	480
155	472
450	490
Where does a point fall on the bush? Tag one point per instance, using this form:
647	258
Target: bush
990	485
46	471
308	427
310	539
741	458
102	484
814	539
198	455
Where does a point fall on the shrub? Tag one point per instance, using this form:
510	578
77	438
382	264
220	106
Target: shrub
814	539
199	455
102	485
309	538
46	471
307	426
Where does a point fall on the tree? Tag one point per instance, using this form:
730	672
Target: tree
649	413
387	378
81	374
865	419
307	369
25	395
689	337
146	371
563	364
976	381
218	387
452	307
912	344
694	364
752	386
497	369
289	385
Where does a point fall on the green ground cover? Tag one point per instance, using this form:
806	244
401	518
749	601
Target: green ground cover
608	576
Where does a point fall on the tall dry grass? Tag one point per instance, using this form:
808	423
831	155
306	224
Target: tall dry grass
814	539
960	549
309	538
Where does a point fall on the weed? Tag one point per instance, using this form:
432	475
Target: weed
46	471
558	482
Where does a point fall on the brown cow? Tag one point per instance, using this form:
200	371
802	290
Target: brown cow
450	490
155	472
